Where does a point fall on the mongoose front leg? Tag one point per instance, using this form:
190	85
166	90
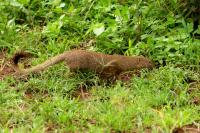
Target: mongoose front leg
111	69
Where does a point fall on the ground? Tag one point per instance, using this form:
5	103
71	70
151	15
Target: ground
86	93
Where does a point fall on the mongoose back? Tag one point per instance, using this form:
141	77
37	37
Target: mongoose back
87	60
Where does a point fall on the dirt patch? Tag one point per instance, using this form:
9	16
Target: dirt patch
50	127
5	65
191	128
5	71
194	92
194	86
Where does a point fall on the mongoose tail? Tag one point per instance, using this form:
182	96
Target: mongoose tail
37	68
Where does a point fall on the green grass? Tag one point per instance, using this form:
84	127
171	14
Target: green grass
160	100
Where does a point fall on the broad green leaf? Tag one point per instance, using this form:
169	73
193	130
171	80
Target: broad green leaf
98	30
24	1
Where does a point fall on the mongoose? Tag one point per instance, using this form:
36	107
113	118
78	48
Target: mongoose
100	63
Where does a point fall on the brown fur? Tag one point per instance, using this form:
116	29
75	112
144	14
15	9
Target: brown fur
107	65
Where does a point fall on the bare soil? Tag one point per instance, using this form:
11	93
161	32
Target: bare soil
5	65
191	128
194	91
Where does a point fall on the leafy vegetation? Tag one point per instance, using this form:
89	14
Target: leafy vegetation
166	31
